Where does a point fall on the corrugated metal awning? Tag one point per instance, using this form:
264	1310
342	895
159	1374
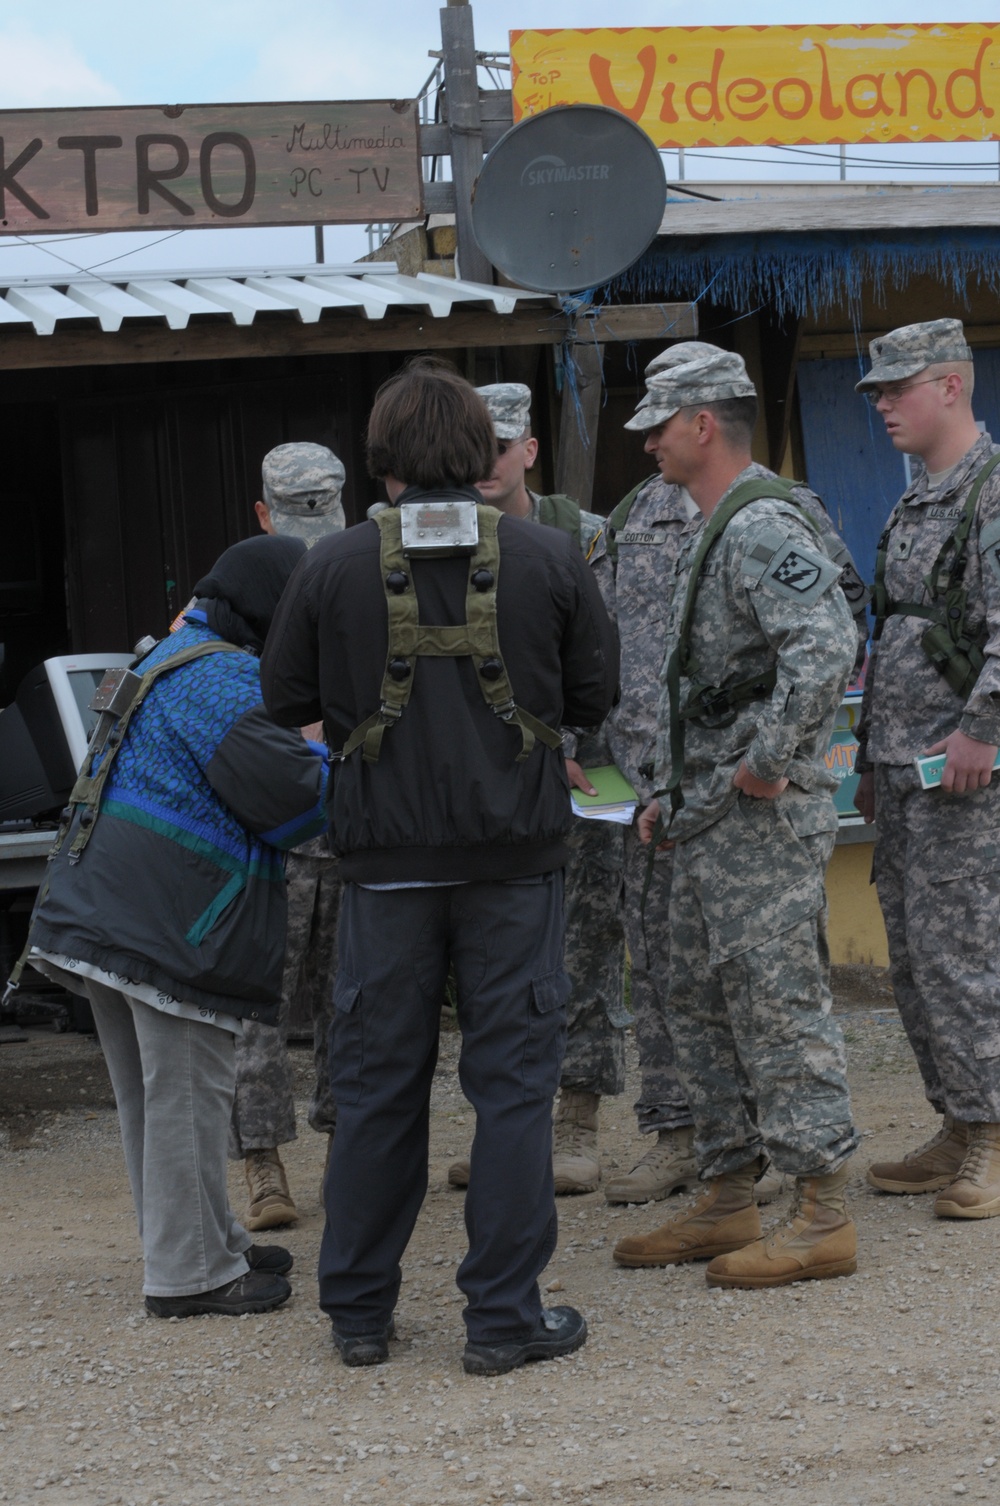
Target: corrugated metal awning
240	296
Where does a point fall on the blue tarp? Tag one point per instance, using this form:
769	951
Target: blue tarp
804	272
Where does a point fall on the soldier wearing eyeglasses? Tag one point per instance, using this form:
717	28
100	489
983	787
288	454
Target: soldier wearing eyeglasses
933	687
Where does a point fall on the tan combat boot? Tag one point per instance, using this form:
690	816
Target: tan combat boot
723	1218
927	1169
575	1167
668	1166
820	1240
770	1186
975	1192
270	1200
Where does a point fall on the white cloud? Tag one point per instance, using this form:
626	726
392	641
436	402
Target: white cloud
40	72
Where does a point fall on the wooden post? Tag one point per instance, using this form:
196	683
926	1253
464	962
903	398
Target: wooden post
465	128
575	462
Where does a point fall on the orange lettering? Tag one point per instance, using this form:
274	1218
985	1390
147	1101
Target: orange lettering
714	111
903	80
667	111
865	112
600	72
827	108
755	91
807	98
974	73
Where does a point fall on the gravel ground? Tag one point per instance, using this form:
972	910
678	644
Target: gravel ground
881	1388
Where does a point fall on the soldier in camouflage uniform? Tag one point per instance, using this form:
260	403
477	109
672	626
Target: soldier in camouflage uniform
937	851
636	574
594	1065
302	484
760	642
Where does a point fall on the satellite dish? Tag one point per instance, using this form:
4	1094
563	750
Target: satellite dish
569	198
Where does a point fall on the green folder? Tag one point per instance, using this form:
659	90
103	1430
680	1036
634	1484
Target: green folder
613	790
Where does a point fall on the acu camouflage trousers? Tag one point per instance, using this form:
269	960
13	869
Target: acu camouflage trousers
595	960
937	869
749	998
264	1109
662	1102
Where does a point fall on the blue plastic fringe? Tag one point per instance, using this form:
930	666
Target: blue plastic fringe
807	272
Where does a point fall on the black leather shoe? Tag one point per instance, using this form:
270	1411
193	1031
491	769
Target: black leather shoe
559	1330
365	1348
256	1292
274	1259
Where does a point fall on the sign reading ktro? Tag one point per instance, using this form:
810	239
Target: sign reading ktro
156	168
772	85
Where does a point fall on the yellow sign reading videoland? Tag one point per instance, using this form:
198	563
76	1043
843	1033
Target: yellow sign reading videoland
772	85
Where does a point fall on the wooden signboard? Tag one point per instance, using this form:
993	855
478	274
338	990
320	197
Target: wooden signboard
179	166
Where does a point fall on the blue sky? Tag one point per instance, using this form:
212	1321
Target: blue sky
202	51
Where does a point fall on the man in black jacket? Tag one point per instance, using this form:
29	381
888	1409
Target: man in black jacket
449	810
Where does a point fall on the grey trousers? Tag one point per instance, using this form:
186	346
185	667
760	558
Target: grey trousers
506	944
173	1084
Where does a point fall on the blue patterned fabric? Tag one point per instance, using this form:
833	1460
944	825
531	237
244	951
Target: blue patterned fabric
178	728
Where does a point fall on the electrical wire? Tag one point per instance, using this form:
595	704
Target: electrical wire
704	154
89	271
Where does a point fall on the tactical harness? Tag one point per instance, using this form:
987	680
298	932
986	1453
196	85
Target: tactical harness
117	698
955	653
619	517
710	706
477	638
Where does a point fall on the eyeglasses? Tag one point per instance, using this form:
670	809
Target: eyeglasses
893	393
503	445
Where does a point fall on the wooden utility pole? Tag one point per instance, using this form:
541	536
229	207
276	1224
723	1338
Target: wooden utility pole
465	129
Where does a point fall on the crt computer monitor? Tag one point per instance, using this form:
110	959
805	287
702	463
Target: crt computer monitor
44	733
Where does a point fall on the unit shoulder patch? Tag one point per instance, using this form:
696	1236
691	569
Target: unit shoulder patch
798	572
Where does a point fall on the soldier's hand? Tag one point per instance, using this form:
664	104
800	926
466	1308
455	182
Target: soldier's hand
313	733
864	796
969	763
648	818
577	778
760	789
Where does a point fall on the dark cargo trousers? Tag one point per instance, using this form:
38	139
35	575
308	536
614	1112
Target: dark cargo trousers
506	943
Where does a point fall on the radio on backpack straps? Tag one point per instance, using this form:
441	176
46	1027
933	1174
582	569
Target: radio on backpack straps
410	640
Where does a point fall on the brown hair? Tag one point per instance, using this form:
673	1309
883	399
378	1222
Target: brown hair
736	417
429	427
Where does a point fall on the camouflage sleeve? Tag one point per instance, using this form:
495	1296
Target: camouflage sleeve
790	589
981	717
856	592
593	547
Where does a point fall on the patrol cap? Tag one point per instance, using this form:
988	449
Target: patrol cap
302	485
687	374
509	406
912	348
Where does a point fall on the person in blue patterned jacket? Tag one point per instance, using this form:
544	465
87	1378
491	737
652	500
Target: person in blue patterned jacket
171	921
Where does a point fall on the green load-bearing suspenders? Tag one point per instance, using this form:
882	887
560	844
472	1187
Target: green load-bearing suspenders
709	704
477	637
955	654
125	695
